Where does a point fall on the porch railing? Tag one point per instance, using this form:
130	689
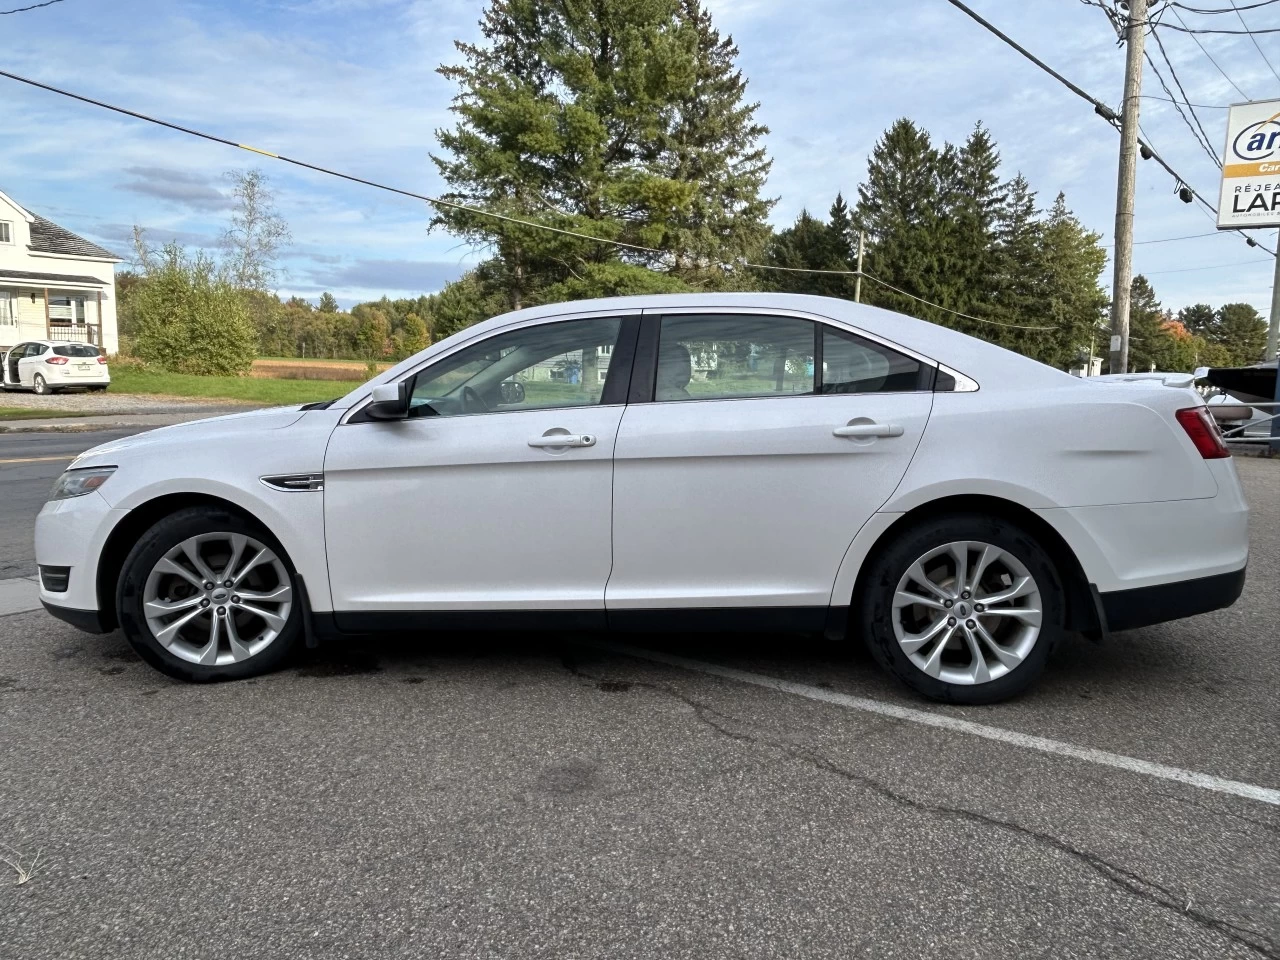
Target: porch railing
90	333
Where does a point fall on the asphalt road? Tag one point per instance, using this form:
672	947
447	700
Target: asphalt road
502	797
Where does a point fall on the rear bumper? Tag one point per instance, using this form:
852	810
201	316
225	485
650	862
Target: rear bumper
1143	606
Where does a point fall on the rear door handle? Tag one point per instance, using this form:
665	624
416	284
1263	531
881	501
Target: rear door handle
869	430
564	440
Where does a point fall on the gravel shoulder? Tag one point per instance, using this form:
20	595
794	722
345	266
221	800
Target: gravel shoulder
104	404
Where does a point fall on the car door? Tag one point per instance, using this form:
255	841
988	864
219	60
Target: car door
11	358
28	364
750	457
496	494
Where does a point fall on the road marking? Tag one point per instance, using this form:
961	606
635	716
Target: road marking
1025	740
69	456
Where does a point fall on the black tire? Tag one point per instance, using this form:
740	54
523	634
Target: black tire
97	389
153	545
41	386
873	615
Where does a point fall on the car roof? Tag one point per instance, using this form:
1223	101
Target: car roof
983	361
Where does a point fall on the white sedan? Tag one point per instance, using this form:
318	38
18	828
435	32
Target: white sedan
48	365
706	461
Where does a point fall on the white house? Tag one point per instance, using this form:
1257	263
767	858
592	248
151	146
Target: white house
54	285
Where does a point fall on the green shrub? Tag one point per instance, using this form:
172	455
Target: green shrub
188	318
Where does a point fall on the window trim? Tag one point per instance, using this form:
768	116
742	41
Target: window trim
616	386
11	241
645	375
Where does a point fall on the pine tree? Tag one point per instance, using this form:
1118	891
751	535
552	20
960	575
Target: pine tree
1198	319
809	244
1241	331
1070	265
840	226
1018	284
622	120
714	146
974	200
1146	328
899	211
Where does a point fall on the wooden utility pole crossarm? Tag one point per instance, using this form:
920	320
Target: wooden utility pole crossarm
1135	40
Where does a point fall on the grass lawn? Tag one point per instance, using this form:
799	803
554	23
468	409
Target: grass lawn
125	379
35	413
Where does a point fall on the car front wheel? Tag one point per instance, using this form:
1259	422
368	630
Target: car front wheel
963	609
207	594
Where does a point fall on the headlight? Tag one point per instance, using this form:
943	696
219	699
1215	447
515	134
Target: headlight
77	482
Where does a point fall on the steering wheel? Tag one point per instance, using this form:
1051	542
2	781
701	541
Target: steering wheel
472	402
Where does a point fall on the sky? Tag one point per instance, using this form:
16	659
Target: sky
351	85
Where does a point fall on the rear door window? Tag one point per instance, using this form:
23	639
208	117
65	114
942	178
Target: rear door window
733	356
852	364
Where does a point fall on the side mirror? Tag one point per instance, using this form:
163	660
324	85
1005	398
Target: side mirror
390	401
511	391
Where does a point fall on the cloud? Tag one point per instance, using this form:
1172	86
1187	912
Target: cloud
192	190
121	234
411	276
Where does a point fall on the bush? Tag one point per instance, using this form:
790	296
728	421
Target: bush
188	319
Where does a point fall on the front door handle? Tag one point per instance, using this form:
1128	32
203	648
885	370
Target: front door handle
869	430
564	440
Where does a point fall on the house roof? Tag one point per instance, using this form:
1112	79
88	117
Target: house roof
50	277
48	237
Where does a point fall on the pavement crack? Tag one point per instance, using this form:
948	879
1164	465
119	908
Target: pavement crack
1127	880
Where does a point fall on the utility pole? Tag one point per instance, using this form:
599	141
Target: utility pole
858	283
1272	322
1135	40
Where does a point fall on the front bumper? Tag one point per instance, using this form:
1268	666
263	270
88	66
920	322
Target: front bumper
90	621
72	533
1143	606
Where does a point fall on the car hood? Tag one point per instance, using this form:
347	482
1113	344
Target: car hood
194	431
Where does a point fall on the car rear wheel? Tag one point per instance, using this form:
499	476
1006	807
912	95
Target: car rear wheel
42	387
964	608
208	595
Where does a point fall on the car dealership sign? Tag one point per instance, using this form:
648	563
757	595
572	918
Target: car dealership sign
1251	167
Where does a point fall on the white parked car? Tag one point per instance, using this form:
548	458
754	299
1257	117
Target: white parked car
740	461
48	365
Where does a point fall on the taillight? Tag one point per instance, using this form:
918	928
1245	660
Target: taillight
57	360
1203	431
102	359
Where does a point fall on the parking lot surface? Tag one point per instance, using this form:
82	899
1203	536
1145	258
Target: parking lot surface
509	796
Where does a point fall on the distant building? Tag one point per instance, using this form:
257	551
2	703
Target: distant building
54	285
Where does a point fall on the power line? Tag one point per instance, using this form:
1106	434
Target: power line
1192	236
1264	57
1231	9
1099	107
1216	266
1198	131
436	201
996	323
34	6
1211	60
1236	33
1198	106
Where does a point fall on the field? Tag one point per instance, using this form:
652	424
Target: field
291	368
130	379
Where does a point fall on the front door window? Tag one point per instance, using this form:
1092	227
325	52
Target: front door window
543	367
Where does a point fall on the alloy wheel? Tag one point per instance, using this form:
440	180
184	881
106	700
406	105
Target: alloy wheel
40	386
217	598
967	612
